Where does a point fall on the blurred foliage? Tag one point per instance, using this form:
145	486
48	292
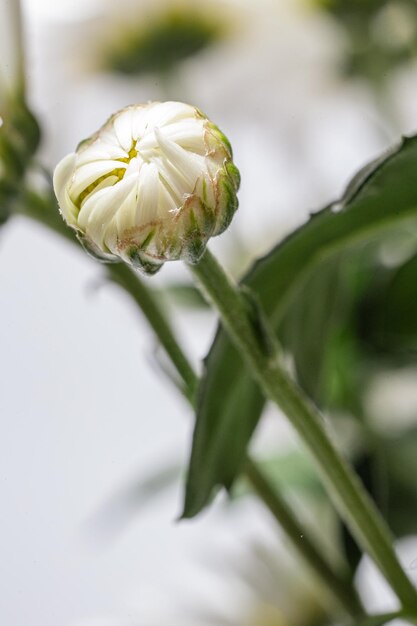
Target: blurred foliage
381	36
387	469
345	314
159	43
19	140
388	313
186	295
311	286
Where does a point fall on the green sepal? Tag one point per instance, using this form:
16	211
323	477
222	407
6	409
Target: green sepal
227	202
196	240
215	130
234	173
95	252
141	261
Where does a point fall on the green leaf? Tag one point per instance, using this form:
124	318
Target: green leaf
381	196
389	314
319	330
185	295
19	140
292	471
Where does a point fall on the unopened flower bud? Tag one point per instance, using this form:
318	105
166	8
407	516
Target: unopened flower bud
152	185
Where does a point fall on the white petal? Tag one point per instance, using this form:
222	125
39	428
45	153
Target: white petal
63	175
90	172
148	194
171	179
108	198
189	134
163	113
123	128
190	165
167	202
140	122
123	221
108	181
99	151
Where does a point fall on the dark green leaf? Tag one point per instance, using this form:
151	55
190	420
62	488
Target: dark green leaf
318	329
389	313
230	404
388	469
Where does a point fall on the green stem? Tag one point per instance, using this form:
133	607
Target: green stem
336	584
44	210
253	338
340	588
148	303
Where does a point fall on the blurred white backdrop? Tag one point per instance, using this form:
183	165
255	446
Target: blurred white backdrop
83	411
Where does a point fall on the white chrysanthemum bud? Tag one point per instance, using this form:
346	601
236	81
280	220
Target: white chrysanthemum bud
152	185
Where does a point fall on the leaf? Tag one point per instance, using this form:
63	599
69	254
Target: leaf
319	330
161	43
389	314
291	471
19	139
185	295
230	403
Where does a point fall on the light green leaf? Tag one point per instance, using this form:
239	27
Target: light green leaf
381	196
293	471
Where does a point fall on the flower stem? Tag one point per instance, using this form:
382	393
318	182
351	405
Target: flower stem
337	585
147	301
44	210
256	342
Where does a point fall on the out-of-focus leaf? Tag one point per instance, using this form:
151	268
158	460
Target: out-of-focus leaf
318	330
389	314
293	471
186	295
230	403
7	193
380	35
388	471
19	139
160	43
401	506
